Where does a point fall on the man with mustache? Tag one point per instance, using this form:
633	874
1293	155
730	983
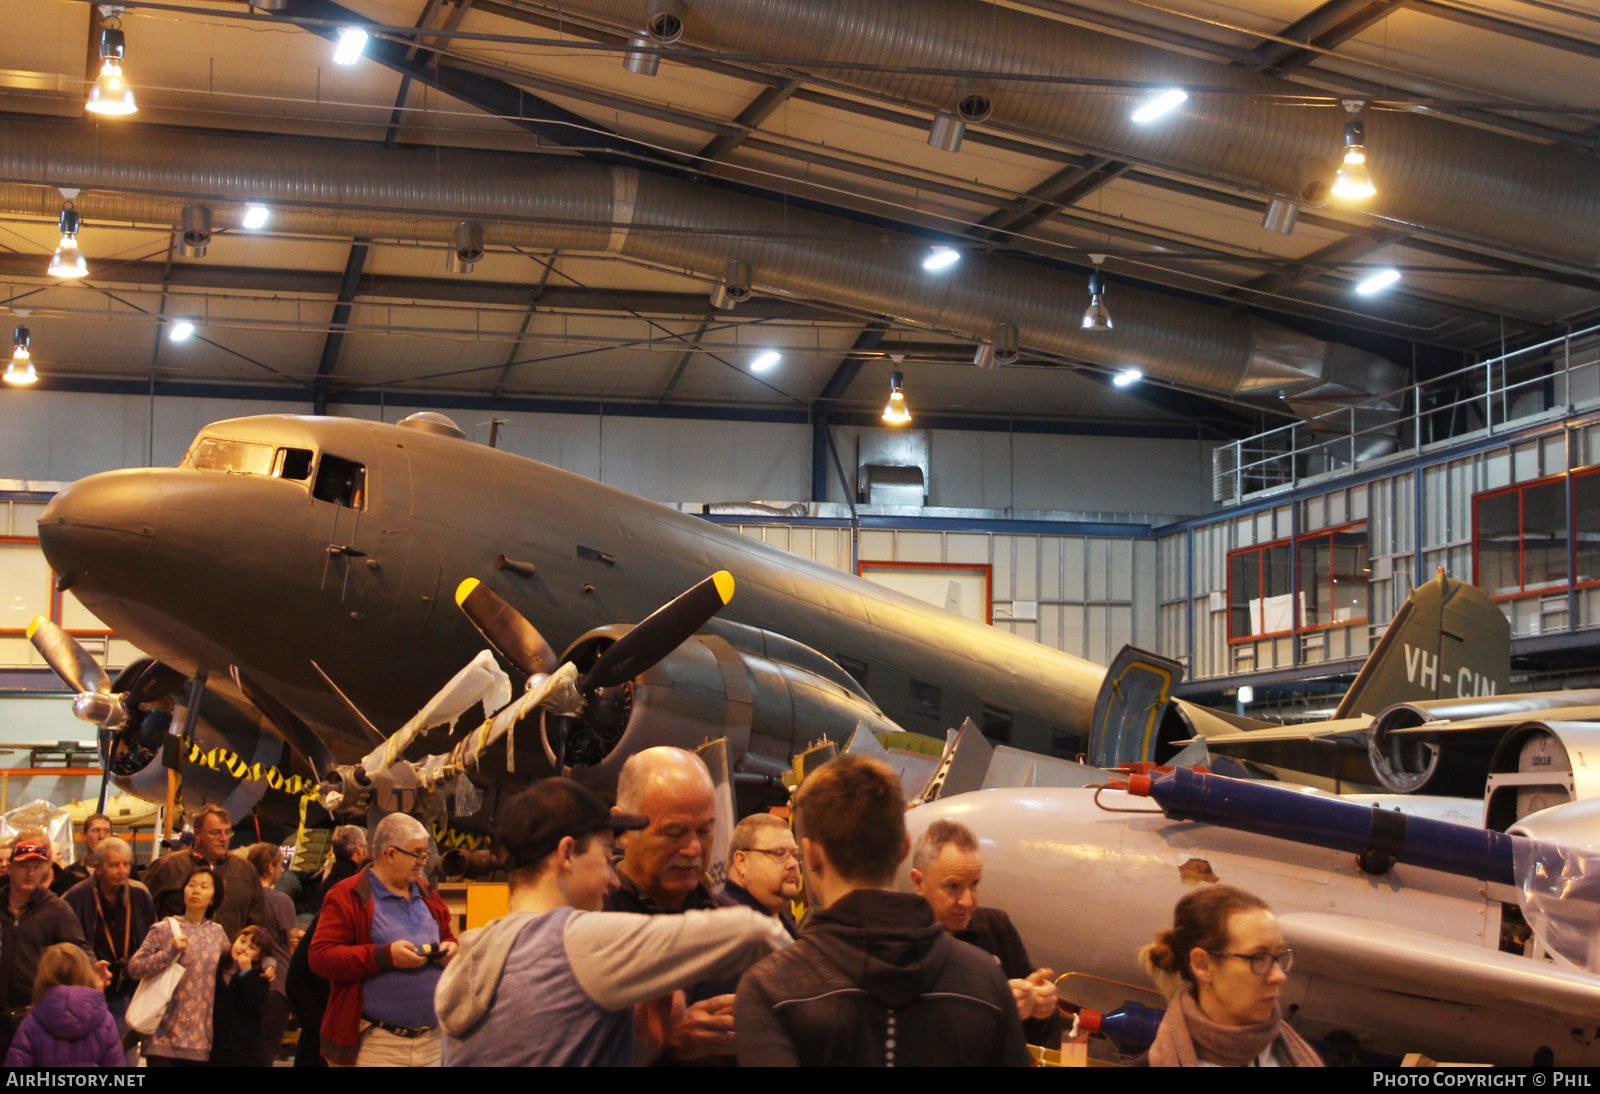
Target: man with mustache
663	872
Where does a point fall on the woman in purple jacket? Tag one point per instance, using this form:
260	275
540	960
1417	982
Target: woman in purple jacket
69	1025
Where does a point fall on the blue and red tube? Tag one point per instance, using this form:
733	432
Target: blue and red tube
1268	810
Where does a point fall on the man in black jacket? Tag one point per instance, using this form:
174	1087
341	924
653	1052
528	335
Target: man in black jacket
946	872
873	980
34	919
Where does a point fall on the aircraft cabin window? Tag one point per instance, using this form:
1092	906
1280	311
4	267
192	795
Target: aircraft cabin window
232	457
996	725
856	669
926	698
1064	744
294	464
342	482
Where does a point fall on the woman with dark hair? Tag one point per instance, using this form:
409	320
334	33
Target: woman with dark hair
197	944
1221	964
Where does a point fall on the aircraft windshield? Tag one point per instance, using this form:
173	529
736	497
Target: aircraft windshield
232	457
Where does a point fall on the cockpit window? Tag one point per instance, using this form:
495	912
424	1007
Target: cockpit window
294	463
232	457
342	482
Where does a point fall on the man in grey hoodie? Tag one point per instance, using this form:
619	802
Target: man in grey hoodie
554	981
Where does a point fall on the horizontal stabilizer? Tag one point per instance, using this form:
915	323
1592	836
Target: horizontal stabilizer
1335	750
1413	962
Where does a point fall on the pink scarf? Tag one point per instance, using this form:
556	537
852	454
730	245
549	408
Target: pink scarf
1186	1027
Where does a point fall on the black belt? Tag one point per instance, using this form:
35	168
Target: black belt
399	1031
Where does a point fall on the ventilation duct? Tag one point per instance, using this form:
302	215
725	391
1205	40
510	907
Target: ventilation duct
1462	182
147	176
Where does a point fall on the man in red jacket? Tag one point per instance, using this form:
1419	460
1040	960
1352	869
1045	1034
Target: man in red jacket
381	942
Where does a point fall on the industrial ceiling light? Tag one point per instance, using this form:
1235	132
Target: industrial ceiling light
895	412
68	261
764	361
182	331
665	25
352	43
468	249
1127	376
255	217
1000	348
645	64
1097	316
1353	180
947	131
734	288
1160	103
941	258
19	370
110	93
195	233
1280	216
1378	281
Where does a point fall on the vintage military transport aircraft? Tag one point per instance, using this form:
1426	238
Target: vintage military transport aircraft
297	573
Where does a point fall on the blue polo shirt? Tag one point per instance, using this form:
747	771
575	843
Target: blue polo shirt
402	997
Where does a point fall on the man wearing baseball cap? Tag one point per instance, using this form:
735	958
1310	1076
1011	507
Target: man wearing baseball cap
554	982
35	920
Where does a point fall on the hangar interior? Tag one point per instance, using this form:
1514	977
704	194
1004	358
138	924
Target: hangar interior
584	227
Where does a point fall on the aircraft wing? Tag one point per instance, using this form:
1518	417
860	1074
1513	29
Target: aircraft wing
1404	960
1336	750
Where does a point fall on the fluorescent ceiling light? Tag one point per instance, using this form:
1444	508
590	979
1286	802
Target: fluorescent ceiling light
1127	376
255	217
941	258
352	41
1159	103
181	330
1380	280
765	361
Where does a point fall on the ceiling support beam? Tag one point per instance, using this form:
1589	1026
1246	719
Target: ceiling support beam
749	120
832	391
334	343
1327	26
1065	187
534	295
1496	25
686	356
1320	261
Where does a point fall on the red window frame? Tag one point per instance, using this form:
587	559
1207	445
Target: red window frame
1572	533
1293	543
1303	628
1522	539
1257	548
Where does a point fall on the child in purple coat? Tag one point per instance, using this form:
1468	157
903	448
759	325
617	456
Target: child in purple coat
69	1025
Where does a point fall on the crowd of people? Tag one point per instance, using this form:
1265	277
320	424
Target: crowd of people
615	949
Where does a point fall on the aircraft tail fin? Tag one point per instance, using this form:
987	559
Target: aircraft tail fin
1448	640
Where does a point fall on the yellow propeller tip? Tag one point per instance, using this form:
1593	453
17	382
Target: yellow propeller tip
465	589
38	621
724	582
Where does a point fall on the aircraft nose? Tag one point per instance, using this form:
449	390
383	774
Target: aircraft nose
99	523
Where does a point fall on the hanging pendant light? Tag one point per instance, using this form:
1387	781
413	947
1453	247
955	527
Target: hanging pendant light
1097	316
19	370
1353	180
895	412
111	93
68	261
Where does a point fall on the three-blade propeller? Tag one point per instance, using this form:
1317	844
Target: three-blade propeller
71	662
644	645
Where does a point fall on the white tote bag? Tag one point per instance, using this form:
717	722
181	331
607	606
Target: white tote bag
149	1003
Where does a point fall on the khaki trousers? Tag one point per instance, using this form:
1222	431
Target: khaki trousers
380	1048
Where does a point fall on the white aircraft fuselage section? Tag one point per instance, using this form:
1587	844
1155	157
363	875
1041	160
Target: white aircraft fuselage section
1087	888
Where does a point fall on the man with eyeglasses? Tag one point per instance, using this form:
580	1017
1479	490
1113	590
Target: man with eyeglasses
242	903
382	941
763	869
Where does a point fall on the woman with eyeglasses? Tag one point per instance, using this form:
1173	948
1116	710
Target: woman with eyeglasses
1221	965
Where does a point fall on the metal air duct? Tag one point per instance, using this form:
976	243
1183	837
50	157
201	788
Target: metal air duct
545	202
1456	181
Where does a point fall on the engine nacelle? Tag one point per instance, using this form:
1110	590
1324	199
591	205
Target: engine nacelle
1538	766
768	706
